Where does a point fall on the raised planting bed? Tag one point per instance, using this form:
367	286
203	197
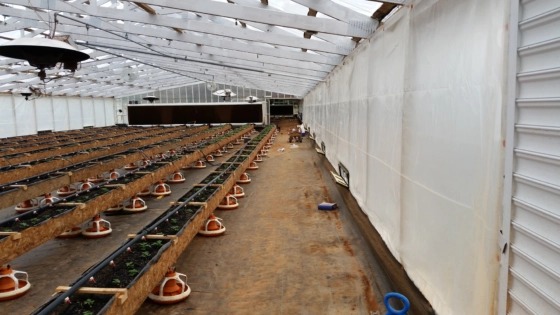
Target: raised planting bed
34	218
239	159
84	304
43	149
129	184
177	223
48	140
204	194
123	273
76	135
85	170
137	292
74	147
220	178
245	152
225	166
102	148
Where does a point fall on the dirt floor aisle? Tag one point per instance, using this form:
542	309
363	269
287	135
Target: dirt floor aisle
280	255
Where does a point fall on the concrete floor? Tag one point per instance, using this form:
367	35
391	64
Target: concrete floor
280	255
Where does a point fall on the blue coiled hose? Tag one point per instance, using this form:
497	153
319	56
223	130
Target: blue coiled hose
392	311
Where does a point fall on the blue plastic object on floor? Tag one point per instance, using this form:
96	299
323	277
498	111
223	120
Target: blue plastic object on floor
327	206
391	310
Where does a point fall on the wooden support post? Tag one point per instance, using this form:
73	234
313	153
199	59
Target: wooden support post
14	235
24	187
197	204
173	238
122	294
122	186
64	173
78	204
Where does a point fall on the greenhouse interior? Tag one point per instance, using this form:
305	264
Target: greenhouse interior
367	157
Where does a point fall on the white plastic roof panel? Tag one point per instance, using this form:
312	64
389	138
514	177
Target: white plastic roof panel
285	46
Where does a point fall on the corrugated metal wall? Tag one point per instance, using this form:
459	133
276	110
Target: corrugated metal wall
533	274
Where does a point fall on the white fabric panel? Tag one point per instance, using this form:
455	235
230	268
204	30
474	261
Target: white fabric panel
75	112
415	114
7	115
60	110
25	116
88	114
19	117
110	111
44	113
99	112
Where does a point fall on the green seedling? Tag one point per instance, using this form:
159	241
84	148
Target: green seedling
89	303
175	228
23	225
87	313
145	246
145	254
132	272
116	281
129	265
174	221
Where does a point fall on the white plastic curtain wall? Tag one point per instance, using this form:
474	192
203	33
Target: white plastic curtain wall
415	114
19	117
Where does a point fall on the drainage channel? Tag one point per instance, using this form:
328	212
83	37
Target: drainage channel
33	186
26	231
149	254
22	170
61	141
56	150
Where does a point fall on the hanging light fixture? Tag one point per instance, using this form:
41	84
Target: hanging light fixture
251	99
225	94
26	92
151	98
43	53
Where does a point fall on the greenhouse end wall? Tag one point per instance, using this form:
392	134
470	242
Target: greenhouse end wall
19	117
416	115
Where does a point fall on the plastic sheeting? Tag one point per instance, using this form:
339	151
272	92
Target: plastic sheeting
415	114
19	117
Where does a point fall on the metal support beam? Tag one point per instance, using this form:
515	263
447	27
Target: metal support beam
189	25
265	16
224	44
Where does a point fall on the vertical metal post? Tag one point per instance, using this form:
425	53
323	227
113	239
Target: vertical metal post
12	97
52	112
511	91
67	113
